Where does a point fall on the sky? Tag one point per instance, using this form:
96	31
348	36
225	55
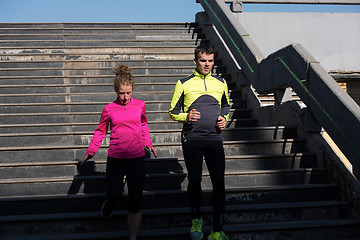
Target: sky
131	10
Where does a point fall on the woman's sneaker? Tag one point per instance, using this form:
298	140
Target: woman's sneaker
107	208
196	229
217	236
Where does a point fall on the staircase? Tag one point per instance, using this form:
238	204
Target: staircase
54	81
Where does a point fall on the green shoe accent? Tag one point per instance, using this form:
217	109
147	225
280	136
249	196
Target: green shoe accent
217	236
196	229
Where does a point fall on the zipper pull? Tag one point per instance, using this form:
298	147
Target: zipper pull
205	84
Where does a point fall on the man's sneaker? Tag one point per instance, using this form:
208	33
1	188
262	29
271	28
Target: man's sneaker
107	208
217	236
196	229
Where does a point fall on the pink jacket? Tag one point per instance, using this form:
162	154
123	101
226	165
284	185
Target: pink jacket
129	130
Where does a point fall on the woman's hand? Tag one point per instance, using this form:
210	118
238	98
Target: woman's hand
152	149
87	157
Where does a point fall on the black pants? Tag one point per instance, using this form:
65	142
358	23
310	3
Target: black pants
213	152
134	170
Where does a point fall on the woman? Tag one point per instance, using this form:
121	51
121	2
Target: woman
129	136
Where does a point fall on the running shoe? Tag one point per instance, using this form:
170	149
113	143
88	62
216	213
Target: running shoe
196	229
217	236
106	209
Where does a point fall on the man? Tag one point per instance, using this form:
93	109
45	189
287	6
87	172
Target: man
201	102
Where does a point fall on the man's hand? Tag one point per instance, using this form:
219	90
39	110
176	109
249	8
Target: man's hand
87	157
221	122
193	115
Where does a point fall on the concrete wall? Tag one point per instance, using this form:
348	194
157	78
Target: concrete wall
333	39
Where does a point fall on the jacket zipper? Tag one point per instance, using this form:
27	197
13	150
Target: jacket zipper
205	84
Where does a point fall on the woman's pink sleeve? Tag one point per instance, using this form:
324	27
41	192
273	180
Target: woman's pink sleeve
99	134
145	128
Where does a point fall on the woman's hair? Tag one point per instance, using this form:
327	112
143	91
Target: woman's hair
123	77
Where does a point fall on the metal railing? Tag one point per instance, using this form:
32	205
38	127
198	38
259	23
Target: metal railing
327	2
237	5
292	66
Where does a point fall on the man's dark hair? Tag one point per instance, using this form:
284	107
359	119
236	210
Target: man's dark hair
203	49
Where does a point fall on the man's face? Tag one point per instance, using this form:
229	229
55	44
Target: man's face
204	63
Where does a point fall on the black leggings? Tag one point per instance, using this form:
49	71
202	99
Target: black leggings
134	169
213	151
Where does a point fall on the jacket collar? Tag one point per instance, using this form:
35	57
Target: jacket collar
199	74
117	101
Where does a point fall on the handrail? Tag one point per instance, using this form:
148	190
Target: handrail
293	66
327	2
235	36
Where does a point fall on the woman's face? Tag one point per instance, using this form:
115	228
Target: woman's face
124	94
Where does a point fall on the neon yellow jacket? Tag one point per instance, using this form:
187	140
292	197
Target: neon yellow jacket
209	95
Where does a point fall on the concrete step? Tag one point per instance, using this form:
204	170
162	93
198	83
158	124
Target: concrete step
246	147
65	31
93	71
159	167
161	181
94	25
61	203
101	79
250	213
12	169
102	36
84	35
157	136
162	135
60	117
89	106
59	35
91	126
306	230
79	88
73	152
102	43
10	92
73	58
172	217
243	162
91	64
107	96
81	53
18	90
